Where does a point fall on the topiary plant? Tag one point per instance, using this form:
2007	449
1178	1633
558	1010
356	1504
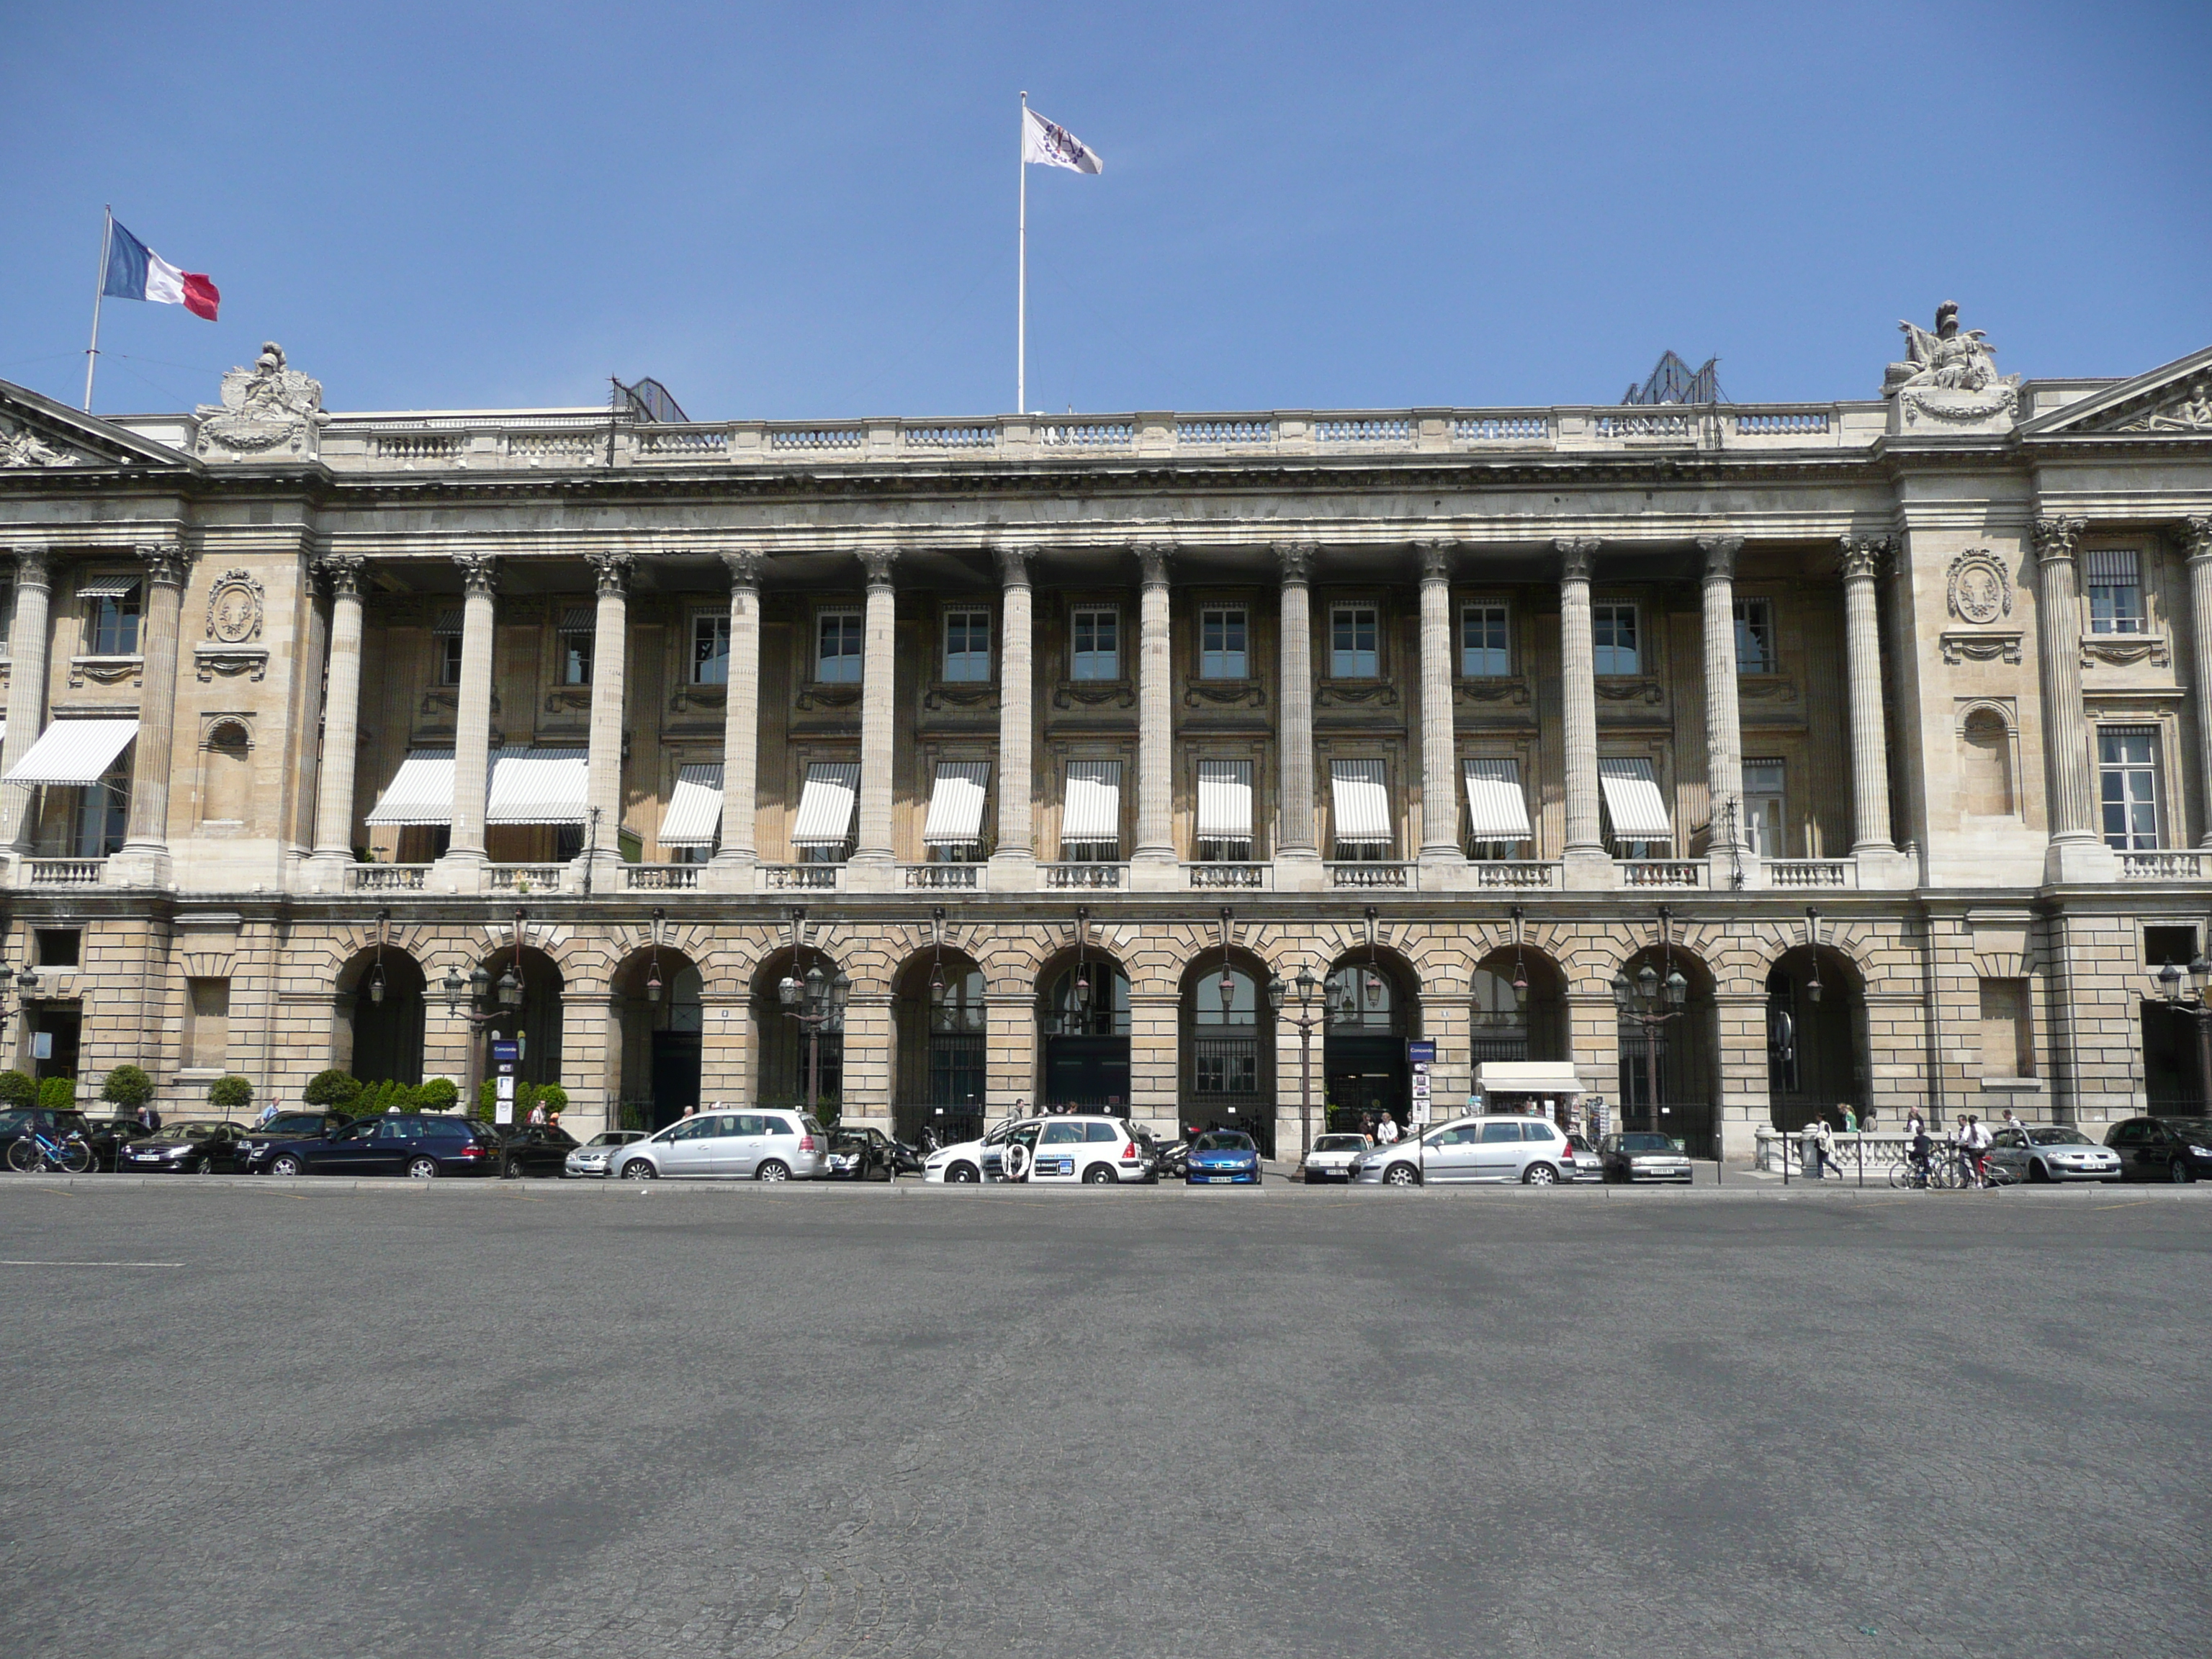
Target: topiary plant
58	1094
487	1101
333	1090
438	1095
230	1094
16	1090
128	1087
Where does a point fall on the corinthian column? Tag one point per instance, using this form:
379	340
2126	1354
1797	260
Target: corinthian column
1297	859
731	869
2076	854
144	859
1153	861
1585	859
27	642
1439	788
872	853
1013	861
461	870
1723	720
2196	535
334	779
1870	828
603	794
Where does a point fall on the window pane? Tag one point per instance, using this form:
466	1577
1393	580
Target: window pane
710	650
1612	634
2128	788
2115	585
1482	652
1754	637
576	659
837	658
449	660
1221	644
1352	649
968	645
1097	655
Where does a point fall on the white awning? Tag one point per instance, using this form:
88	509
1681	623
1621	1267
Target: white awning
827	804
74	751
1496	808
579	619
448	621
1632	798
1527	1076
539	786
1224	800
107	587
1091	811
421	793
956	803
1363	802
693	817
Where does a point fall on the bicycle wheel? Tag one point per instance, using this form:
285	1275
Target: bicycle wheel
1902	1175
24	1156
76	1157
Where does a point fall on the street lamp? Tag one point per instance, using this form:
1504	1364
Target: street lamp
1651	1003
816	1002
1304	1019
2195	1009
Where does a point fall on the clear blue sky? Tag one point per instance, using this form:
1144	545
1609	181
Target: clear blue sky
810	210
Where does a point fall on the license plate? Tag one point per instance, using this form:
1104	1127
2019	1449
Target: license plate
1221	1180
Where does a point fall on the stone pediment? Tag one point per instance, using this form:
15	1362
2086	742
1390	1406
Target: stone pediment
38	435
2173	400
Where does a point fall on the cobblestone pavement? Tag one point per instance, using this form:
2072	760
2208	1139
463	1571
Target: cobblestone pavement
440	1423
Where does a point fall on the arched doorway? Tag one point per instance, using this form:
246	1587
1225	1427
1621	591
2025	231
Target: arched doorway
1518	1007
1372	1003
1669	1070
381	990
937	1002
794	1053
1226	1067
537	1022
657	1007
1815	1036
1083	1017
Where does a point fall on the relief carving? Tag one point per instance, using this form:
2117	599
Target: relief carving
21	446
1979	589
1094	694
2189	411
1344	694
1225	694
268	406
1980	648
1492	691
2120	650
234	614
952	694
1630	690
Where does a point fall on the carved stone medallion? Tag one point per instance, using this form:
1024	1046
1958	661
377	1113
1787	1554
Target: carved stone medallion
235	608
1980	588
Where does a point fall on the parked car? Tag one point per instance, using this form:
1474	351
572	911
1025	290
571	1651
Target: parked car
1331	1156
532	1149
1527	1150
1588	1165
1222	1157
414	1144
1643	1155
1081	1147
196	1148
255	1145
102	1135
2051	1152
853	1157
591	1158
886	1157
2177	1149
109	1135
768	1145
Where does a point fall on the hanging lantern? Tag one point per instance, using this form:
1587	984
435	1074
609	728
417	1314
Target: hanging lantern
937	987
510	989
1374	989
1520	976
1083	990
1228	988
376	985
653	989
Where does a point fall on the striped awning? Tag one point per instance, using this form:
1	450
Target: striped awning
538	786
422	792
693	817
1224	800
1496	808
579	619
956	803
74	752
107	587
1363	802
1091	811
448	621
1632	800
826	805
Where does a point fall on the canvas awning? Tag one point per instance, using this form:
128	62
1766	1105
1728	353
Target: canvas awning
448	621
827	804
74	752
1224	800
1363	802
1527	1076
1091	811
693	817
538	786
1496	808
956	803
107	587
1632	799
422	792
579	619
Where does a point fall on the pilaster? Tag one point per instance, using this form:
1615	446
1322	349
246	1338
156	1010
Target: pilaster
1585	863
462	869
335	776
872	866
1153	865
28	641
2076	854
1443	858
144	859
731	869
602	793
1297	856
1013	861
2196	538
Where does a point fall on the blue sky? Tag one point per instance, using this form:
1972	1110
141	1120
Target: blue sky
805	211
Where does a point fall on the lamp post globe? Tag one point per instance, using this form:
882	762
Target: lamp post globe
1307	984
1276	991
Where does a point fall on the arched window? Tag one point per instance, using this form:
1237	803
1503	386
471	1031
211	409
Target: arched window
229	774
1496	1003
1240	1007
1985	765
1091	1000
1361	997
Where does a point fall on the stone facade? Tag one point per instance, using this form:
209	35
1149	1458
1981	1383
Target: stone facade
1915	686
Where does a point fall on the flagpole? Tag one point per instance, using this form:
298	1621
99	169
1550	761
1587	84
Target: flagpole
1021	304
99	289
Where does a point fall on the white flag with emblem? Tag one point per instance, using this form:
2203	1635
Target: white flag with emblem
1050	144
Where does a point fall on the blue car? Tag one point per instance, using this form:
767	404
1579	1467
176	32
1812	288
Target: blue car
1223	1157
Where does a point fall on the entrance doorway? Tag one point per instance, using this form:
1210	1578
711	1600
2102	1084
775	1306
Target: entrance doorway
1372	1011
1085	1015
55	1030
1228	1060
938	1001
657	1003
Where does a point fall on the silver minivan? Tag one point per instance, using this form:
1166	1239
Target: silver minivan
1527	1150
764	1146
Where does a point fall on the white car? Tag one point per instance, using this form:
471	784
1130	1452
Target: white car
1332	1158
1085	1149
591	1158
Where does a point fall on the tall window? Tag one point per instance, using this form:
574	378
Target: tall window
1353	651
837	647
2128	758
103	812
576	656
2114	575
1613	635
1096	646
1762	807
710	649
449	658
968	645
1754	637
113	622
1225	1043
1482	650
1221	653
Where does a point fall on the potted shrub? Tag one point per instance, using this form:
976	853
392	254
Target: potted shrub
333	1090
18	1090
58	1094
230	1094
127	1087
438	1095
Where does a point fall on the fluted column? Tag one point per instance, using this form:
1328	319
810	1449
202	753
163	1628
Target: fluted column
144	859
2196	535
731	869
2077	853
28	640
335	774
1723	720
873	855
1440	841
461	870
1870	826
1297	857
1013	861
1587	863
1153	859
603	792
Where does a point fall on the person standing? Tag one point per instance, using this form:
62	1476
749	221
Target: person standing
1979	1142
149	1119
2012	1121
1389	1128
1809	1152
268	1116
1851	1118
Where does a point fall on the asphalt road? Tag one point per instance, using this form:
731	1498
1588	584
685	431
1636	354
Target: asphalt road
304	1421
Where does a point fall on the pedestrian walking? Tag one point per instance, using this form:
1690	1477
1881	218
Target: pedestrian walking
149	1119
1389	1131
1824	1143
1979	1142
1809	1152
1865	1122
537	1114
1915	1124
2012	1121
1851	1118
268	1116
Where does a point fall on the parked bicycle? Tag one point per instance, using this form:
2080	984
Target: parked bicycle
1948	1170
35	1150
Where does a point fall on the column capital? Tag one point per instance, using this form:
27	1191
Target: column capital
1438	558
165	563
1578	557
879	562
2196	535
1153	561
1863	556
2055	539
34	567
479	572
342	571
1013	563
743	564
612	570
1296	562
1720	553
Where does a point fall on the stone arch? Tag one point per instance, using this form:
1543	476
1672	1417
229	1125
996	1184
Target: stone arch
941	1037
1816	1035
1083	1017
1225	1046
790	1053
382	1002
537	1023
1517	997
655	993
1670	1069
227	772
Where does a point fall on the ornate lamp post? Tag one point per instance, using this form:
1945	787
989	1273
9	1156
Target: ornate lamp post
1305	1019
2197	1009
816	1002
487	1004
1651	1003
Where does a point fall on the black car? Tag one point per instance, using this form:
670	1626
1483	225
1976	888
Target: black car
2177	1149
903	1159
102	1135
532	1149
199	1148
859	1155
255	1145
416	1144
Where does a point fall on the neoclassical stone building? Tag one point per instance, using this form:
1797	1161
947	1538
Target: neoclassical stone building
1878	728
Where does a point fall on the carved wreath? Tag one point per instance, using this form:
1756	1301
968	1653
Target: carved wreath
1980	588
235	608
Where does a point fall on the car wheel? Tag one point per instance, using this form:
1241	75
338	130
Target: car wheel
1402	1175
204	1166
640	1169
286	1164
962	1174
422	1169
771	1171
2037	1172
1539	1174
1312	1179
2180	1173
1099	1176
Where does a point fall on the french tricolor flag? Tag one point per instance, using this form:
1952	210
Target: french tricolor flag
135	271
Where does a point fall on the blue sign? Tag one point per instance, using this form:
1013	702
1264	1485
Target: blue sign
1421	1054
504	1052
